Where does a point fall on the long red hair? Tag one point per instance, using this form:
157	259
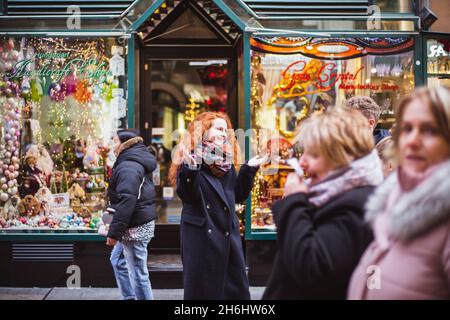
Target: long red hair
190	140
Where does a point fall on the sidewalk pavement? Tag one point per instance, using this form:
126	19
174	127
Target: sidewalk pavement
94	293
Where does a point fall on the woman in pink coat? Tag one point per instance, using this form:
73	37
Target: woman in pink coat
410	211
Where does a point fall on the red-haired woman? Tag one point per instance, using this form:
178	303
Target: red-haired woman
206	181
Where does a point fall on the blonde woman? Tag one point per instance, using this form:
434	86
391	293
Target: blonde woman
410	211
321	230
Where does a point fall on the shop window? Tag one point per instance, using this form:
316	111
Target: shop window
292	78
61	102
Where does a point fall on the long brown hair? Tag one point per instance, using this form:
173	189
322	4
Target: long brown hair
190	140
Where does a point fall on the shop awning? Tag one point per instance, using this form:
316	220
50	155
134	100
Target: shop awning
332	17
278	9
101	17
99	8
257	16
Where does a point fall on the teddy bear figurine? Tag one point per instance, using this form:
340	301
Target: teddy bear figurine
33	178
29	206
76	194
10	210
84	212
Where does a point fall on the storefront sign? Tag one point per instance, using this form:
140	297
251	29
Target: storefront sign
301	78
322	75
332	48
437	51
83	69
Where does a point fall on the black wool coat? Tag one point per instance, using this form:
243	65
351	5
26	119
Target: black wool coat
211	246
131	192
318	247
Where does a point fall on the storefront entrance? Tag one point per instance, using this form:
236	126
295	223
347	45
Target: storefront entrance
188	66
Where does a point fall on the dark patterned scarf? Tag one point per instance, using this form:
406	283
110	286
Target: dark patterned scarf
217	158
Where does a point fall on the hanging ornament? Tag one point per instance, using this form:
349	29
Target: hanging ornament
82	93
10	44
69	83
36	90
4	197
57	92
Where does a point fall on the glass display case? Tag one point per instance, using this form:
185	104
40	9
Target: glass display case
292	78
62	99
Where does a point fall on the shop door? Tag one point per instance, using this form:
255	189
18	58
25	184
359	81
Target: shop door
177	91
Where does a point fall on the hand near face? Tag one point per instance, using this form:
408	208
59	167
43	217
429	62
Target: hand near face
257	160
294	184
188	158
111	242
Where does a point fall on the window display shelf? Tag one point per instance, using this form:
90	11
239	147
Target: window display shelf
50	235
439	75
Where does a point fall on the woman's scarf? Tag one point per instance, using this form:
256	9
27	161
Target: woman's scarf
406	183
217	158
366	171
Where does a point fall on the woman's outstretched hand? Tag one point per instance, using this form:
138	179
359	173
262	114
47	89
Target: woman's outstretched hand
257	160
294	184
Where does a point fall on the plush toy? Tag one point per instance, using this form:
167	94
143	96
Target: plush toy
10	210
33	178
76	194
29	206
84	212
44	196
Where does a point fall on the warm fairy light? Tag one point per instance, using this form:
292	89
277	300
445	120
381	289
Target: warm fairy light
192	110
256	110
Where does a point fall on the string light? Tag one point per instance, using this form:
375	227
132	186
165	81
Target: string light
192	110
256	107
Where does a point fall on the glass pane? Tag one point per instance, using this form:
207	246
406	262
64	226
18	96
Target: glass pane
438	65
62	100
288	88
188	25
181	89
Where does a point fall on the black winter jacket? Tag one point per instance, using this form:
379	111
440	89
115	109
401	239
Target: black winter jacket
318	248
131	192
211	245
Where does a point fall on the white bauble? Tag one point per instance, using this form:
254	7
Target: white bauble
14	191
4	197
